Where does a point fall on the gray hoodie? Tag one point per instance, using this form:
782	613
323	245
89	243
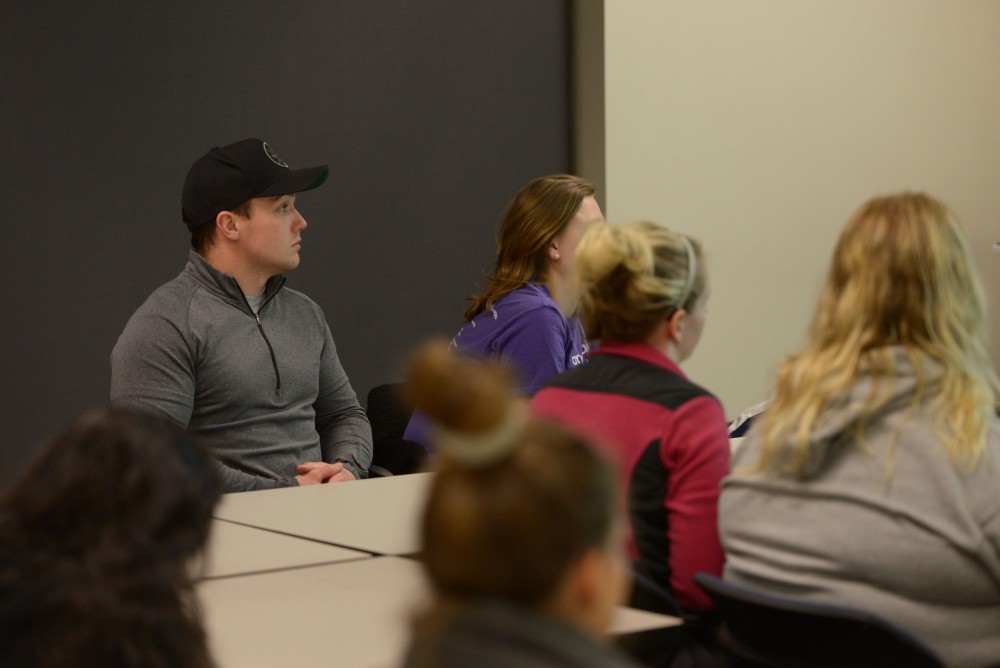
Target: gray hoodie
919	547
265	392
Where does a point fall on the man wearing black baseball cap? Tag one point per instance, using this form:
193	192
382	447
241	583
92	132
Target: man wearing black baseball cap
224	349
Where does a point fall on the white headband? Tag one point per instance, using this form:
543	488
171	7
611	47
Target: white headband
692	272
482	448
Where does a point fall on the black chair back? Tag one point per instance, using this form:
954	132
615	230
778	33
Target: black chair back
648	595
387	411
389	415
762	630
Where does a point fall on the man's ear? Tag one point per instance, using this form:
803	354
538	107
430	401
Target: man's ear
226	223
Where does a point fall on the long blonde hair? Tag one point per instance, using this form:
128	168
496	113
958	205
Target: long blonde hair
632	277
901	275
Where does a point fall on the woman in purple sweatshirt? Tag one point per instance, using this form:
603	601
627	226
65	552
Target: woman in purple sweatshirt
526	315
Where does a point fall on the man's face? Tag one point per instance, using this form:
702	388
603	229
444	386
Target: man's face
271	237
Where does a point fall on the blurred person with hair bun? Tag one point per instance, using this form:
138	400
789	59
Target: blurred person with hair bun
98	539
873	480
520	537
643	295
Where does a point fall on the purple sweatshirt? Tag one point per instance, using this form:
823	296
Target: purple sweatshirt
526	330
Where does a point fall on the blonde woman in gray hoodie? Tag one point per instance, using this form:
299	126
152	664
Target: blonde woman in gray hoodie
872	481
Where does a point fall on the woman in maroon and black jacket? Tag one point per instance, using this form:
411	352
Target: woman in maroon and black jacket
643	295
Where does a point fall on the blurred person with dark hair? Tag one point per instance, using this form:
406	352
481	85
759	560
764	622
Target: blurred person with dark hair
97	542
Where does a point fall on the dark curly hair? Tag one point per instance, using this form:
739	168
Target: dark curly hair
96	543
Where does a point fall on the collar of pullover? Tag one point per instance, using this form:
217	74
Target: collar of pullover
224	285
637	351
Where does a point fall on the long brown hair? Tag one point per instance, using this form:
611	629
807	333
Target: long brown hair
539	212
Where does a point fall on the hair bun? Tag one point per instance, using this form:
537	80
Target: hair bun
471	403
482	448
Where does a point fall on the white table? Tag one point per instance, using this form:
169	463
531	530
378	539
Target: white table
352	614
234	549
379	515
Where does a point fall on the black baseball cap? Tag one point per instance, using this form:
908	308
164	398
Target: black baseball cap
225	177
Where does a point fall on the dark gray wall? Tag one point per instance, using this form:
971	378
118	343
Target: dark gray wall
430	115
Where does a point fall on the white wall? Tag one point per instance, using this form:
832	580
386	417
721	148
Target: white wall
758	127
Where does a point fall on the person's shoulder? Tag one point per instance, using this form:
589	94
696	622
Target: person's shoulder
299	307
299	301
296	296
705	397
528	295
694	405
515	311
642	380
164	316
174	295
530	302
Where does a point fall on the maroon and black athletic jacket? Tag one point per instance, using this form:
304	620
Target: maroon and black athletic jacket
670	439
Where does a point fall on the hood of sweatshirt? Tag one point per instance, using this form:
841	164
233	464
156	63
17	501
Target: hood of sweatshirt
886	379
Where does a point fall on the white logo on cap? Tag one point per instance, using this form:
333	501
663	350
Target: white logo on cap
274	156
